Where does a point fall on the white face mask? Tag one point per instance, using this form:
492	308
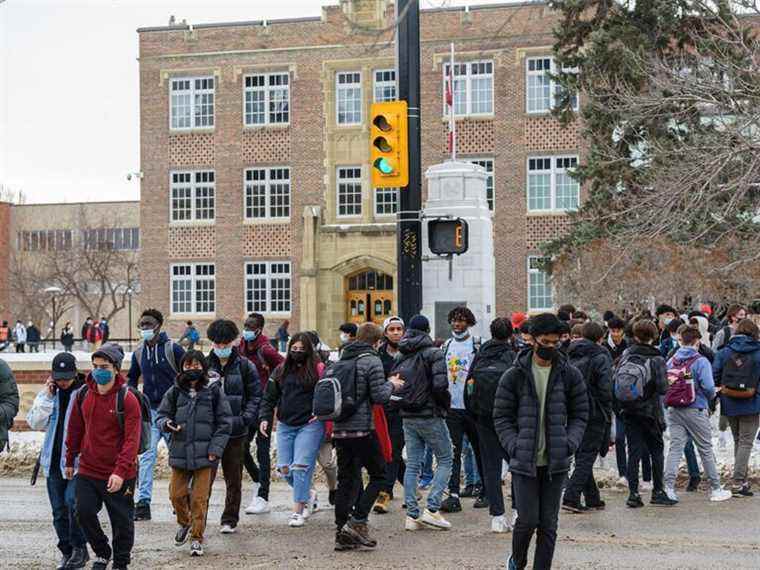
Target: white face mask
344	337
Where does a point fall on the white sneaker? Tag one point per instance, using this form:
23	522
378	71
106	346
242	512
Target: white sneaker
646	486
306	513
500	524
412	524
227	529
313	501
671	493
722	441
513	522
258	506
434	520
720	494
296	520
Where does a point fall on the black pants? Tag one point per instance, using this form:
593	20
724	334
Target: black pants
353	454
537	501
461	423
91	495
260	473
583	480
644	434
394	471
492	455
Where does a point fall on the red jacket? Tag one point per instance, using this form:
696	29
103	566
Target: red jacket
95	435
263	356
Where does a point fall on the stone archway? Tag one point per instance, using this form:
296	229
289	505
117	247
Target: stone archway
368	285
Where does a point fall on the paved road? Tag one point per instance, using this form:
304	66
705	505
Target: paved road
696	534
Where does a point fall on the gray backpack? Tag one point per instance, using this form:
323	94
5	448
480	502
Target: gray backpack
168	347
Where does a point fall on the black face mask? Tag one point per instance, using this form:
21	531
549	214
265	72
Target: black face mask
546	352
298	357
192	375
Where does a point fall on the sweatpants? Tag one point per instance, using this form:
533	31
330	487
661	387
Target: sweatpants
582	480
492	455
354	454
743	429
189	493
684	422
461	423
644	434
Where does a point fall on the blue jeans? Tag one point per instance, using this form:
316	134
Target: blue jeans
148	460
471	475
417	433
427	467
297	449
62	495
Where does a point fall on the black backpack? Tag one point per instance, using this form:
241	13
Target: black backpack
480	391
739	379
414	396
335	393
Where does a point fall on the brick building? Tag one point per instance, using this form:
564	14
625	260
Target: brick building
254	146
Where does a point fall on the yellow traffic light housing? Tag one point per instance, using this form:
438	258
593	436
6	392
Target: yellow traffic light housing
389	155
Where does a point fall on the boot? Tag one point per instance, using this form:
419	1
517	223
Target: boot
693	484
360	533
382	503
142	511
344	541
78	559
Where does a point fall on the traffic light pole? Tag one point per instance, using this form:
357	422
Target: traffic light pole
409	229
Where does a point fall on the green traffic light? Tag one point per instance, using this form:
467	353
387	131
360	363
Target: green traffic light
383	166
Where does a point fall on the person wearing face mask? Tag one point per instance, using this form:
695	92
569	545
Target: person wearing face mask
256	347
540	415
241	386
198	418
67	337
154	361
665	315
347	334
33	337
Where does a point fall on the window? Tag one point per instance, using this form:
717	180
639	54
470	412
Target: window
193	288
386	201
385	85
111	238
486	163
192	103
350	191
267	193
473	88
550	186
349	98
192	196
267	99
539	286
44	240
267	287
543	92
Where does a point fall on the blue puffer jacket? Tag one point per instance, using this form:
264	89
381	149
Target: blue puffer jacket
734	406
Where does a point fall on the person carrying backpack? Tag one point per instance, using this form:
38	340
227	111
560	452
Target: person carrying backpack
737	373
690	390
595	364
495	357
734	315
639	379
106	445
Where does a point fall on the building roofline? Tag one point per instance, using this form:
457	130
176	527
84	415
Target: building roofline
75	203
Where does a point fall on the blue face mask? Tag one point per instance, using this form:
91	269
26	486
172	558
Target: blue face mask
223	352
101	376
147	334
250	335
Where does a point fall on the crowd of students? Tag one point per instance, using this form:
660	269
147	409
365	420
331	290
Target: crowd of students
543	395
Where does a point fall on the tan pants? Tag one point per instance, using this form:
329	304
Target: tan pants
329	464
190	502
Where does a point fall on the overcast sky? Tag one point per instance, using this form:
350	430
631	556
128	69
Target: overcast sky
69	105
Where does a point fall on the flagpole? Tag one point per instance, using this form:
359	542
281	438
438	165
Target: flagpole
452	121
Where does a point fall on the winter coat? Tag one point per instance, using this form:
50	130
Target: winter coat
9	402
67	337
595	365
492	351
156	371
741	344
105	331
650	408
414	342
206	422
703	349
371	386
516	415
19	334
263	356
701	371
616	350
292	400
33	334
242	388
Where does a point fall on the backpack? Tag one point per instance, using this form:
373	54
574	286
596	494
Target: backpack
739	379
193	335
631	378
726	337
480	390
335	393
145	417
414	396
168	353
94	333
681	390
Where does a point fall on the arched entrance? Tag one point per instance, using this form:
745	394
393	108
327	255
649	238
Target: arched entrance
369	297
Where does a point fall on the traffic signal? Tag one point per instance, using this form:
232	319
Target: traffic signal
448	237
389	155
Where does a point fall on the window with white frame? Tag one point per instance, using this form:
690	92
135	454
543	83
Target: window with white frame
473	88
540	295
192	103
267	99
349	191
550	185
267	193
192	196
542	92
348	94
267	287
487	164
386	201
385	85
193	288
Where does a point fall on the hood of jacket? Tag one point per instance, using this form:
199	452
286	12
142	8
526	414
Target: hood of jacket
413	341
355	349
744	344
494	349
584	348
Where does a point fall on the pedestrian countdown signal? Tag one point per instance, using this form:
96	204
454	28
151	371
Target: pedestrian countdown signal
389	153
448	237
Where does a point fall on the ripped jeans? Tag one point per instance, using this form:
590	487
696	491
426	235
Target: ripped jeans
297	449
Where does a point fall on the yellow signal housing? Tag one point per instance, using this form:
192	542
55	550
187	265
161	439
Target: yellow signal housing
389	154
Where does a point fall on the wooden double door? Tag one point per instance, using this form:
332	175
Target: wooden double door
369	297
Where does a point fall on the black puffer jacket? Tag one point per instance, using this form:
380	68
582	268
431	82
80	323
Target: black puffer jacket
206	421
516	413
492	360
241	385
595	365
414	342
650	409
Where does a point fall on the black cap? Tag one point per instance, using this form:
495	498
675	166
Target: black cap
111	352
64	366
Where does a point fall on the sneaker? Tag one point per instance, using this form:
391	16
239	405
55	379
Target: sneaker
412	523
500	524
313	501
434	520
62	562
359	531
451	504
382	503
228	529
78	559
181	537
100	564
722	441
511	565
331	497
142	511
600	505
741	490
477	490
258	506
296	520
481	503
468	491
634	501
646	486
573	507
720	494
671	494
196	548
344	541
693	484
660	499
